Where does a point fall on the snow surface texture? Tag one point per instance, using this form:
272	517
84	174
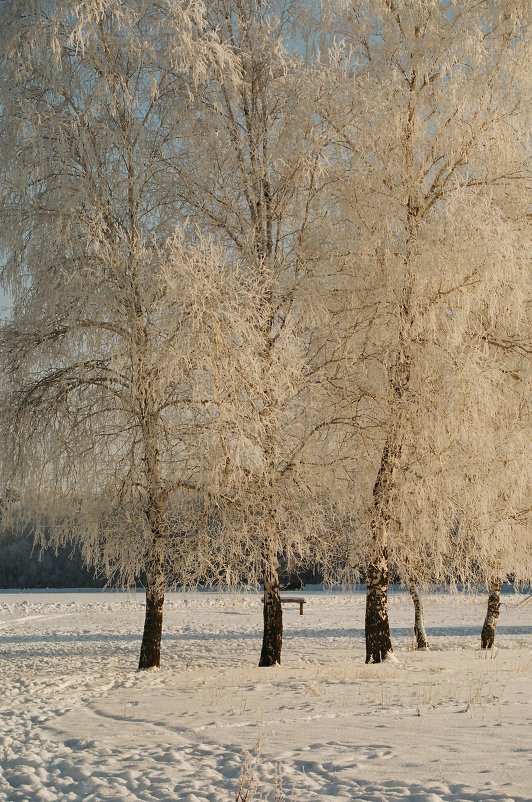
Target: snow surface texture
80	723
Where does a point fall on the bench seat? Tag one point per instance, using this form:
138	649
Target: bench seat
292	600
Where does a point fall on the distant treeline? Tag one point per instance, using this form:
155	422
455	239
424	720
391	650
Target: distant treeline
23	565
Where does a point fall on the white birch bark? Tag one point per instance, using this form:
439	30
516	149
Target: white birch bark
420	635
492	615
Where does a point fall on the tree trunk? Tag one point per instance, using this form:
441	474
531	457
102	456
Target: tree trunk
378	641
487	637
150	649
272	639
422	641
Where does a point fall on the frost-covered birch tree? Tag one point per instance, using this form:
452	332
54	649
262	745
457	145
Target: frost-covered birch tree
428	104
260	147
131	352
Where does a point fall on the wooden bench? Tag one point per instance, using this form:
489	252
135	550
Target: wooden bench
292	600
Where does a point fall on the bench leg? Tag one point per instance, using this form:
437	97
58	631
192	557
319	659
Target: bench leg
300	608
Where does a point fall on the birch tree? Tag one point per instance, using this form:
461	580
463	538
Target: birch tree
428	104
259	189
120	427
131	349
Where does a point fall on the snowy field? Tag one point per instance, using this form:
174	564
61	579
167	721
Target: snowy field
80	723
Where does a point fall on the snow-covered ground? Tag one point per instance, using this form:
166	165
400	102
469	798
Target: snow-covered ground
78	722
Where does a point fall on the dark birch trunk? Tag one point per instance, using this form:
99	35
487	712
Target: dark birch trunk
272	639
150	649
487	637
422	641
378	641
